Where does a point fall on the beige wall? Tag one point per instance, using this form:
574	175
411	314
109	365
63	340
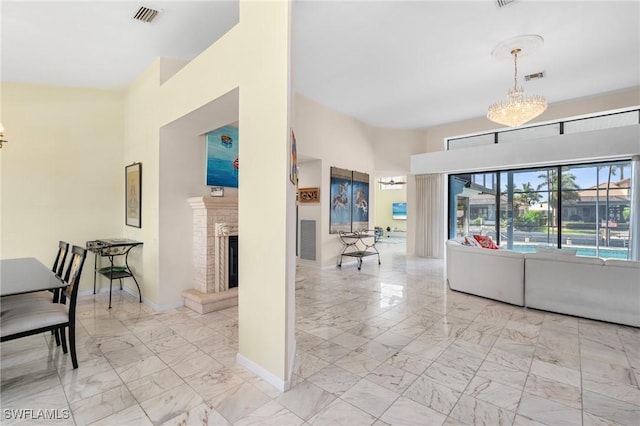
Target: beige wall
393	148
256	52
62	175
384	212
141	112
340	141
182	176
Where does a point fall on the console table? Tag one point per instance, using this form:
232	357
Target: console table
112	248
358	244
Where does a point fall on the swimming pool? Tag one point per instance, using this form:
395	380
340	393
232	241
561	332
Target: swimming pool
605	253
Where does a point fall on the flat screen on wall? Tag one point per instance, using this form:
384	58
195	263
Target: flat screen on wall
399	211
222	157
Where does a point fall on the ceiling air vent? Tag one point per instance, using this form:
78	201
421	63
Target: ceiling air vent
145	14
503	3
534	76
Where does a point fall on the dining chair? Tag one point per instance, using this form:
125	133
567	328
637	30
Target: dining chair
49	295
61	256
41	315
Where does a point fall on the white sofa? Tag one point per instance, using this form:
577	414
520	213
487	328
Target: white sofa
589	287
495	274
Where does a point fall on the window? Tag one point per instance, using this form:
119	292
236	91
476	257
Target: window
584	207
585	124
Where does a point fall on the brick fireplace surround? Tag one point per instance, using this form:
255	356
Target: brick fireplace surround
215	219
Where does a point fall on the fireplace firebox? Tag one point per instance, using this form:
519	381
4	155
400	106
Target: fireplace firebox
233	261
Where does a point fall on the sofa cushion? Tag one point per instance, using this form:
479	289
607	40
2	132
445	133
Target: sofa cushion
485	242
471	242
460	240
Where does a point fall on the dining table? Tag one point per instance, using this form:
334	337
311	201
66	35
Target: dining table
27	275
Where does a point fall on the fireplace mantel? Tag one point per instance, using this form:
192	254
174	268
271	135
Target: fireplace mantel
215	219
213	202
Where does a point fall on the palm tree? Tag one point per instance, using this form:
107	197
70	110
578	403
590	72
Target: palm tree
527	195
613	170
550	184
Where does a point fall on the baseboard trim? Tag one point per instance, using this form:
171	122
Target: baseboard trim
292	362
268	376
134	293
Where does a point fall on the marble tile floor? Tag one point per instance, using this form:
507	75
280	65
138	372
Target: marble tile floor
384	345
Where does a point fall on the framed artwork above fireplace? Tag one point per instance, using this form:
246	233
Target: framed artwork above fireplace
222	157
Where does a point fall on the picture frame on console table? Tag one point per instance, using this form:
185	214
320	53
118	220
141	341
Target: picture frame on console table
133	195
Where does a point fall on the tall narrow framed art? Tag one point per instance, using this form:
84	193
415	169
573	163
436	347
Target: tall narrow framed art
349	201
133	195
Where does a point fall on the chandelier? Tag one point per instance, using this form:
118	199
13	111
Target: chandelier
517	109
2	139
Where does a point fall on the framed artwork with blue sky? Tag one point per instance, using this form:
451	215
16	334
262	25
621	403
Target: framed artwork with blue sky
222	157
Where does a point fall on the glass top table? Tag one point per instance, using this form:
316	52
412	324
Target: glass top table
113	248
26	275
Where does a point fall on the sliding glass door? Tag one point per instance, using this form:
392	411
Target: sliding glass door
583	207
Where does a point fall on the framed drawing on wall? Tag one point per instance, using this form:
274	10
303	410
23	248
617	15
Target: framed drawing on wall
133	197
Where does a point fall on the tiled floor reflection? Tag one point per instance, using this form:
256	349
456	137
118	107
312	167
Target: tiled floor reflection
384	345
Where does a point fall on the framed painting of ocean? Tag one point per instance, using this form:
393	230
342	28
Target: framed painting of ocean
222	157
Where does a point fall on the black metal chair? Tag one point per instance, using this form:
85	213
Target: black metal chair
41	315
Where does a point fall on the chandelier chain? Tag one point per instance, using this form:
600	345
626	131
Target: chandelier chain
515	68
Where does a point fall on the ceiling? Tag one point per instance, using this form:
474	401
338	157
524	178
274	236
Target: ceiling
394	64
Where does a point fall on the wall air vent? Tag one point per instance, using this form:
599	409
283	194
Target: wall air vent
145	14
503	3
534	76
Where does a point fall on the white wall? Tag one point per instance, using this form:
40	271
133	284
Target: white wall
597	145
436	135
310	176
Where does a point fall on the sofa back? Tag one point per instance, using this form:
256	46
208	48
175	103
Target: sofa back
588	287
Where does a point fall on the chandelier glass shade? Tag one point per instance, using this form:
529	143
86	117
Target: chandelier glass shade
517	109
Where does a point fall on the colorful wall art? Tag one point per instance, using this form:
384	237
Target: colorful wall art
360	205
222	157
349	201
